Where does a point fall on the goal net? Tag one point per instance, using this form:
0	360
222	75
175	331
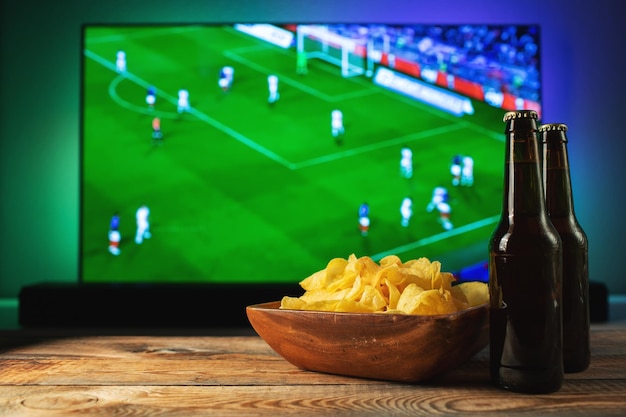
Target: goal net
319	42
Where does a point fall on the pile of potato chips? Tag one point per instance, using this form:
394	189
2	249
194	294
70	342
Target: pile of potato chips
363	286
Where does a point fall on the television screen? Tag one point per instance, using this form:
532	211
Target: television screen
255	153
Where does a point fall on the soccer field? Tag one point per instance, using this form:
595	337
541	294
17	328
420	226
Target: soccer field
244	191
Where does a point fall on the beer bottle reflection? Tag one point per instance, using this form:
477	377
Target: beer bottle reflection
525	272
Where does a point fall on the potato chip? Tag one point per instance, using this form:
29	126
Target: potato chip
340	283
394	295
357	289
323	278
408	301
361	285
323	294
351	306
435	301
373	299
473	293
317	281
292	303
390	260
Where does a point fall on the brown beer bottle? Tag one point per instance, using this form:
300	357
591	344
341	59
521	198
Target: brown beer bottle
560	206
525	272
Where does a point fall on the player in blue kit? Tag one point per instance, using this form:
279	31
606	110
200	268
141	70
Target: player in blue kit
444	210
151	97
114	234
225	80
364	218
455	170
439	201
440	195
115	222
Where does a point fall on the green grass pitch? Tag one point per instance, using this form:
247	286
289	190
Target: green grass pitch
241	191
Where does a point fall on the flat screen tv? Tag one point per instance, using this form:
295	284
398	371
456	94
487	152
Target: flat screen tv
194	171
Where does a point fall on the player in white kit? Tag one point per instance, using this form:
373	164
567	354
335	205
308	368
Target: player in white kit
143	224
406	211
183	101
406	162
444	215
467	172
336	125
440	195
120	62
272	85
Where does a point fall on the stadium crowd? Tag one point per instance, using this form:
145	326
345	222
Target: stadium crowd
501	58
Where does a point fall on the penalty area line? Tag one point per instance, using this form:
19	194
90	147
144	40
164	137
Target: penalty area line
198	114
436	238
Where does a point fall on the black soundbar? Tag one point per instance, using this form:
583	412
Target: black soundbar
184	306
143	305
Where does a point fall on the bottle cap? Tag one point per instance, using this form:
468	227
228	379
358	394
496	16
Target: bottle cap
553	126
520	114
553	132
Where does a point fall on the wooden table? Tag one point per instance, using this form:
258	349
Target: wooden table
143	373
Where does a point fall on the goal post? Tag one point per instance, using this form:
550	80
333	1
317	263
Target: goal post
315	41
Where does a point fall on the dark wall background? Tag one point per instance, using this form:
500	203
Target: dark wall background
583	54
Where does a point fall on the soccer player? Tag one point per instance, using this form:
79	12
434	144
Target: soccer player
157	135
467	172
183	101
272	84
114	242
120	62
226	77
406	211
114	234
406	162
364	210
336	125
143	224
364	225
455	170
440	195
151	97
444	215
115	222
364	218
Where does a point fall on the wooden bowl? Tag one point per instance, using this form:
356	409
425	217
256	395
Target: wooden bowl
393	347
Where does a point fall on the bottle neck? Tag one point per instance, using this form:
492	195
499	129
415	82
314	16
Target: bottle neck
556	176
523	185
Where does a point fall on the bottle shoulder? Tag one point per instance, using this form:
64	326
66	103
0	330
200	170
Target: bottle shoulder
532	235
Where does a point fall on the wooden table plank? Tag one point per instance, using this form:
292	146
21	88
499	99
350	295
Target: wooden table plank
343	400
153	360
142	360
241	376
